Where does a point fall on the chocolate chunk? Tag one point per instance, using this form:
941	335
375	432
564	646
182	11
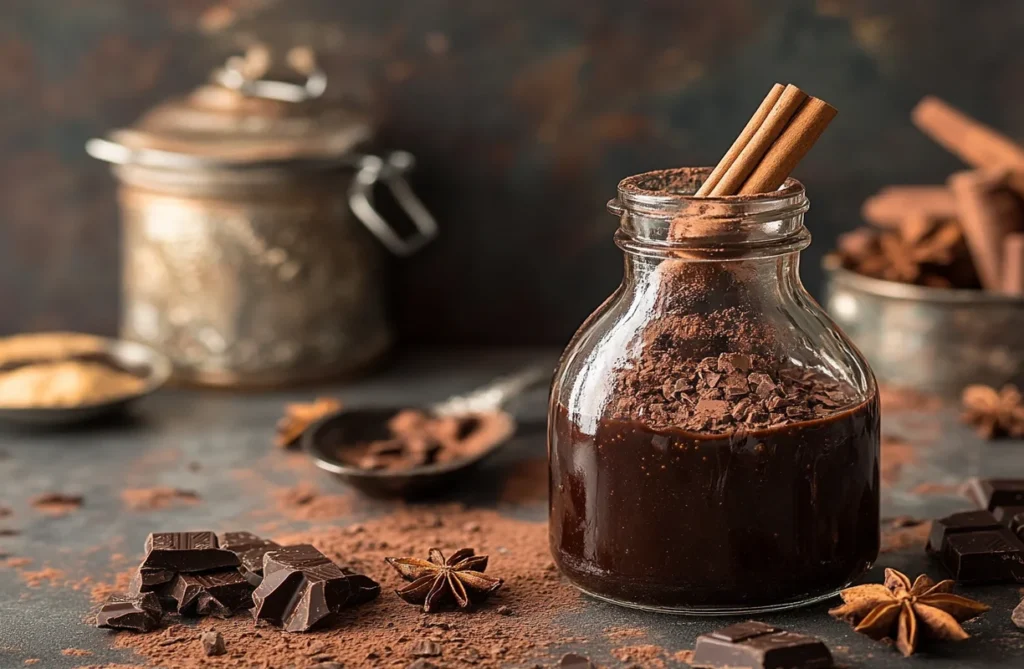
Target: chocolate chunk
966	521
426	648
992	493
759	646
141	613
148	580
213	643
1010	516
986	556
250	550
210	593
301	588
574	661
1018	615
186	552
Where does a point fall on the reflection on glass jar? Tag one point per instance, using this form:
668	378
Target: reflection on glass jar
713	437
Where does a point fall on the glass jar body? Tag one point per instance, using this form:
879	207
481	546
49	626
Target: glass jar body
739	508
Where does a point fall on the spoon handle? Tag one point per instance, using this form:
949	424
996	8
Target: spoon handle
495	394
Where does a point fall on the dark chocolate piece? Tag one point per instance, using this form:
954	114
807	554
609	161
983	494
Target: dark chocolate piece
574	661
211	593
992	493
986	556
301	588
213	643
1007	514
250	550
965	521
183	552
141	613
148	580
759	646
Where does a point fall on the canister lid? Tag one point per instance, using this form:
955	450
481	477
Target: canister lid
253	112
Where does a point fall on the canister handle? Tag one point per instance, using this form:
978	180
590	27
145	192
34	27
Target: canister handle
360	197
245	75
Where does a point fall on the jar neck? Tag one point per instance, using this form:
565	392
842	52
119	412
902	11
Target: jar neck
659	217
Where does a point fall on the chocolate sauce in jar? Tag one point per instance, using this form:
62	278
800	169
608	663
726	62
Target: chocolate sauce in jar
666	518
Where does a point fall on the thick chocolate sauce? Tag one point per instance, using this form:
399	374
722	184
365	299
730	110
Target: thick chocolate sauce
664	517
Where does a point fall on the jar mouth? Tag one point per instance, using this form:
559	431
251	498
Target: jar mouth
659	210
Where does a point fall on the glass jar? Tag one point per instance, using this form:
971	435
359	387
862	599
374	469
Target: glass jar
713	437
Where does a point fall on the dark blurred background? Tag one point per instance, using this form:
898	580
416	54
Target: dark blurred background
524	115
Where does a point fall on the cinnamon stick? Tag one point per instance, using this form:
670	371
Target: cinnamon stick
1013	264
763	138
975	143
893	205
986	218
796	140
744	138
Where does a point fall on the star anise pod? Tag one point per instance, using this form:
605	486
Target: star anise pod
299	416
907	612
437	581
994	413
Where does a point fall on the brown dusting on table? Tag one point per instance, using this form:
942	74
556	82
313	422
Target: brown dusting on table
17	562
527	482
160	497
32	660
648	656
4	512
684	656
904	533
47	575
305	502
898	400
621	633
384	632
57	504
933	488
76	652
896	454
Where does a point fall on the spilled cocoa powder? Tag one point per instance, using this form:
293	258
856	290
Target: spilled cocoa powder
57	504
510	628
160	497
304	501
896	454
904	533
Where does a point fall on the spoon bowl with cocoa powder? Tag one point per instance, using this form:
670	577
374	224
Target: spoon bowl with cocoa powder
408	452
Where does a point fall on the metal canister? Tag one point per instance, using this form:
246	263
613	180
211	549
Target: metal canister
252	246
934	340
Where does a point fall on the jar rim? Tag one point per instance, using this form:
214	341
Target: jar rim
660	193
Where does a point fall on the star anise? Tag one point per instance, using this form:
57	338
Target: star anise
436	581
907	612
994	413
299	416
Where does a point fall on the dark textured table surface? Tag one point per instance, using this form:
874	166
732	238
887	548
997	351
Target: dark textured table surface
43	613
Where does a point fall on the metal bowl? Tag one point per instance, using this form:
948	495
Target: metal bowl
325	438
929	339
138	359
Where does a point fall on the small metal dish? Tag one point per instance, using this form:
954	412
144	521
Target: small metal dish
134	358
326	438
929	339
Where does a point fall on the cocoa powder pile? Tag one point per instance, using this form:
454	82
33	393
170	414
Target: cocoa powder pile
417	439
510	628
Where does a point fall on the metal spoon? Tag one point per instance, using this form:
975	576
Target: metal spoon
324	440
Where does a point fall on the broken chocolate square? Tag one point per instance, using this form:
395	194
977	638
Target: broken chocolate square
186	552
141	613
759	646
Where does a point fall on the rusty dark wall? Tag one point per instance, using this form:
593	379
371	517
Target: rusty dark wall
524	115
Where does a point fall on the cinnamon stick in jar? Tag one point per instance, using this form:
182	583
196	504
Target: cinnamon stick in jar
779	134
